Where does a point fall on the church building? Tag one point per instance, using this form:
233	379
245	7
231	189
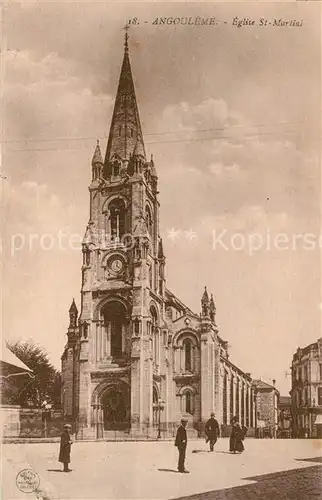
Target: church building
136	357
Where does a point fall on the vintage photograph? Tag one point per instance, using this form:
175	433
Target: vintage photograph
161	250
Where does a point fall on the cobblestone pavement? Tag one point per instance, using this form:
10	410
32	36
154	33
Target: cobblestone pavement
297	484
268	470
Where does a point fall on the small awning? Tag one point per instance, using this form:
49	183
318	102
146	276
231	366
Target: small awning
318	420
14	365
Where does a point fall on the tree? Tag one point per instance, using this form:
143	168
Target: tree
46	384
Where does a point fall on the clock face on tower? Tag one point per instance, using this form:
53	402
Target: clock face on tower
116	265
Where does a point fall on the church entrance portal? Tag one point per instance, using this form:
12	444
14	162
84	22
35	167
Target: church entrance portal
116	410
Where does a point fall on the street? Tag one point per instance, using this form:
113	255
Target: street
268	469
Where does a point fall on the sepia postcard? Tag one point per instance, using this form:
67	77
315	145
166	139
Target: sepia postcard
161	250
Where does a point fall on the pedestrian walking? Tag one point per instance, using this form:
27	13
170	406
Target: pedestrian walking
181	444
212	431
65	446
236	437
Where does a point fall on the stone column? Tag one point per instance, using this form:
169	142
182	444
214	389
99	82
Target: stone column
245	402
217	382
206	377
234	396
123	337
181	359
158	348
103	328
99	341
193	358
227	399
174	358
92	340
102	331
108	338
96	340
249	409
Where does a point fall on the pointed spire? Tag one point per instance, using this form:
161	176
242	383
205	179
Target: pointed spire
205	303
73	306
73	313
205	297
125	137
97	157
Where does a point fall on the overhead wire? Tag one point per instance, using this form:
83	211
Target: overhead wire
190	139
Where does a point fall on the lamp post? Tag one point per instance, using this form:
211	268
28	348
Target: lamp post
46	414
159	407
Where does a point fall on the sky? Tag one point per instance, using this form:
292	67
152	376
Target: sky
232	118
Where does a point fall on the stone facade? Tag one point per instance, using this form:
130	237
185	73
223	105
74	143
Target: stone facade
266	407
306	392
284	417
134	343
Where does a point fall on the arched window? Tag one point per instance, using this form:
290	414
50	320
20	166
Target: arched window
86	257
115	323
117	219
187	355
149	222
188	402
116	169
136	326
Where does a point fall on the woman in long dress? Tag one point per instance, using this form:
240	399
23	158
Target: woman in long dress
236	438
65	445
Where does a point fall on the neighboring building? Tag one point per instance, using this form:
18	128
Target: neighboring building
135	343
284	417
306	392
266	407
14	375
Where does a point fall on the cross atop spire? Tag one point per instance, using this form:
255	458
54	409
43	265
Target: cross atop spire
126	37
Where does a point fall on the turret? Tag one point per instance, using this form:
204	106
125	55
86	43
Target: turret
73	314
97	163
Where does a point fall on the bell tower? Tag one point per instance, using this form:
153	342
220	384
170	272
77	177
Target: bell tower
122	274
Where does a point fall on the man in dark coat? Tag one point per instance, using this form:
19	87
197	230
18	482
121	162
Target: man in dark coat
212	431
65	445
181	444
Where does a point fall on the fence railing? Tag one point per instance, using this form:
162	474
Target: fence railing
30	423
